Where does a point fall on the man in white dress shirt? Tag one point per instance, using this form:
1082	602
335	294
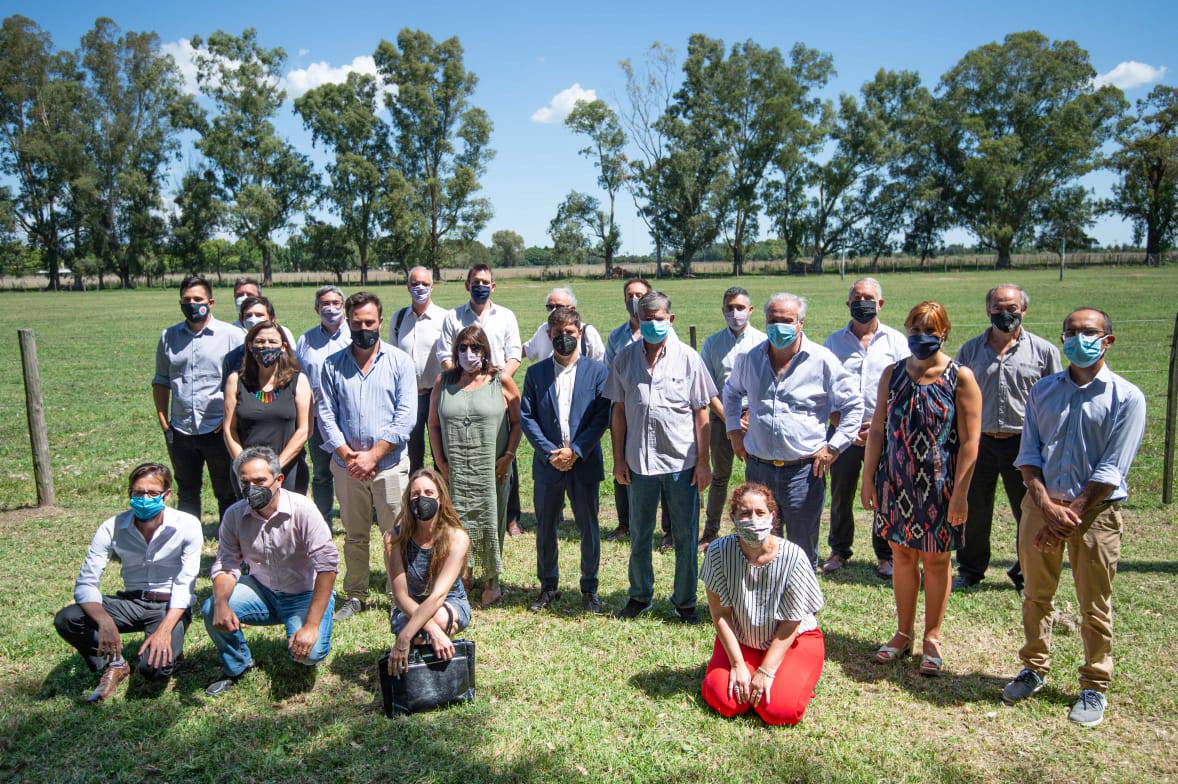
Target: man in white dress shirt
540	346
793	386
415	329
866	347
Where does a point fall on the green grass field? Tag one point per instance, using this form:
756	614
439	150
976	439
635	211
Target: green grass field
563	697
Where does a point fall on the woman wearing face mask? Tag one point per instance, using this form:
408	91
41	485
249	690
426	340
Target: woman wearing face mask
762	595
268	403
474	429
917	467
425	556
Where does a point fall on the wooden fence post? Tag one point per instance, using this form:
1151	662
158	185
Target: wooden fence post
691	330
1171	413
35	405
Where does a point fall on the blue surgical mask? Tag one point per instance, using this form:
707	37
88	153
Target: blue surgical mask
480	293
145	507
654	332
782	335
1083	351
924	346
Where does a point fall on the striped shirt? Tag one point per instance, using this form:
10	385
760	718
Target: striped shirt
762	596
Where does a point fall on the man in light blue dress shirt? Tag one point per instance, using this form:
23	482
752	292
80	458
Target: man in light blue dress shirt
314	347
719	353
367	407
793	386
1081	431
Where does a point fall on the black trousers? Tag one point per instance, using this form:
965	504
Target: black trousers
622	504
996	458
844	494
420	433
190	455
548	495
130	615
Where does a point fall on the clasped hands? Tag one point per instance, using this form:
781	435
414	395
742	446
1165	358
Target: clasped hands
361	466
563	459
1060	521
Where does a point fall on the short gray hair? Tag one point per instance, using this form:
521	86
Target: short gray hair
257	453
567	292
653	301
992	293
328	289
866	282
786	297
426	270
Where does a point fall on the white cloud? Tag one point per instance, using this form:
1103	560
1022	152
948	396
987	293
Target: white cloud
300	80
304	52
562	103
1130	74
184	54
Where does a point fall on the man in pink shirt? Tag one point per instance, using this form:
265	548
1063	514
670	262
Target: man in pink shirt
292	567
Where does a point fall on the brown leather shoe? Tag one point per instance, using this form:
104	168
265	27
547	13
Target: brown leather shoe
108	683
884	569
513	529
833	564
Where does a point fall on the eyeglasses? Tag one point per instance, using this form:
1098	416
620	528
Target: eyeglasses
475	347
142	494
1090	332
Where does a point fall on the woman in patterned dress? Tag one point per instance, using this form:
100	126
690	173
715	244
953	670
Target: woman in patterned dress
917	467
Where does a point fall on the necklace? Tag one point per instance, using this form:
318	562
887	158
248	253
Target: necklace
264	397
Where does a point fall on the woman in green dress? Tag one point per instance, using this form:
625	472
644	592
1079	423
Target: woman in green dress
474	430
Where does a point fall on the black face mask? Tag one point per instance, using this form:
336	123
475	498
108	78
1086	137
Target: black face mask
1006	321
365	338
195	312
564	344
864	310
258	496
423	507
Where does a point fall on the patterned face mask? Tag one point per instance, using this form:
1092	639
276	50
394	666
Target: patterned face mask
754	530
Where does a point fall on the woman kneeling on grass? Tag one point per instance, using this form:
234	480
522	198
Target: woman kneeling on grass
762	595
425	555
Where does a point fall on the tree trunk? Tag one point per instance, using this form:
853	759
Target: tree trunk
1153	246
267	265
818	258
363	258
658	258
339	277
738	258
1003	256
609	263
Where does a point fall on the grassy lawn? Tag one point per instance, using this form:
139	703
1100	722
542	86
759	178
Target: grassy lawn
562	696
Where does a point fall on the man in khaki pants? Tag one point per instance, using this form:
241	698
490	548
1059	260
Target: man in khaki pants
367	408
1083	427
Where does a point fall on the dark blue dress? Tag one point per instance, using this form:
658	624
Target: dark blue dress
918	466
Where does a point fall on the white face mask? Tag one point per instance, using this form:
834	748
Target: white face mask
471	361
238	300
754	530
252	321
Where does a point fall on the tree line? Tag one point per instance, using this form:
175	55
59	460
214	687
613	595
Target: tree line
734	150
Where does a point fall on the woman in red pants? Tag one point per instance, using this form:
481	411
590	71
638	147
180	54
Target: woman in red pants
762	595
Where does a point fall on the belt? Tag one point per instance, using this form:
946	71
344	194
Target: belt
1001	436
781	463
147	596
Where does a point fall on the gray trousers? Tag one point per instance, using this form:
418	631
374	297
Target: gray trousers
130	615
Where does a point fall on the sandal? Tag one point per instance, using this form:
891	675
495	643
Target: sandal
931	666
887	653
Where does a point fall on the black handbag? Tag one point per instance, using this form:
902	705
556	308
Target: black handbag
429	682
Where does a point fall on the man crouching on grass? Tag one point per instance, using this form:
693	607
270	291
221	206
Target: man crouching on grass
158	548
292	562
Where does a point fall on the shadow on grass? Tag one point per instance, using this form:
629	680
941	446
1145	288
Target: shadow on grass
1160	567
672	682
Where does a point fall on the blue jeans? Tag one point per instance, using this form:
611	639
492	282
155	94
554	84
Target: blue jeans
800	497
683	505
256	605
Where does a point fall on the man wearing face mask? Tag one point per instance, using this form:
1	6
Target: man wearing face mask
158	550
540	346
659	426
314	347
1082	428
415	329
188	396
244	287
367	407
719	352
564	413
286	545
793	387
866	347
1007	360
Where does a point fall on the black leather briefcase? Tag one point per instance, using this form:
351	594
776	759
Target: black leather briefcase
429	682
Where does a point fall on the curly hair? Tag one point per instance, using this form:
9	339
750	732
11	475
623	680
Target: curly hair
755	488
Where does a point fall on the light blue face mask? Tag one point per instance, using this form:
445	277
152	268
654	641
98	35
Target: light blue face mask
781	335
1083	351
146	507
654	332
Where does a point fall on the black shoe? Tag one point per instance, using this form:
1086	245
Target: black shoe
668	543
543	600
225	683
962	582
634	608
707	539
619	534
1016	578
689	617
590	603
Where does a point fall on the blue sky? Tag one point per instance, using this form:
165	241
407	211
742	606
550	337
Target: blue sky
525	54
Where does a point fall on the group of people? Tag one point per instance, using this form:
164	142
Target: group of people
929	433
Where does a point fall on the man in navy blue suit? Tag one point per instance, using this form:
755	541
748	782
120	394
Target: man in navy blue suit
564	413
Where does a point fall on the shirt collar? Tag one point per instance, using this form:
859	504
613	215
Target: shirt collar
209	326
126	519
1104	376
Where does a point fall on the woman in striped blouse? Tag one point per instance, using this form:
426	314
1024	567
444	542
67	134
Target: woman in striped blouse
762	595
